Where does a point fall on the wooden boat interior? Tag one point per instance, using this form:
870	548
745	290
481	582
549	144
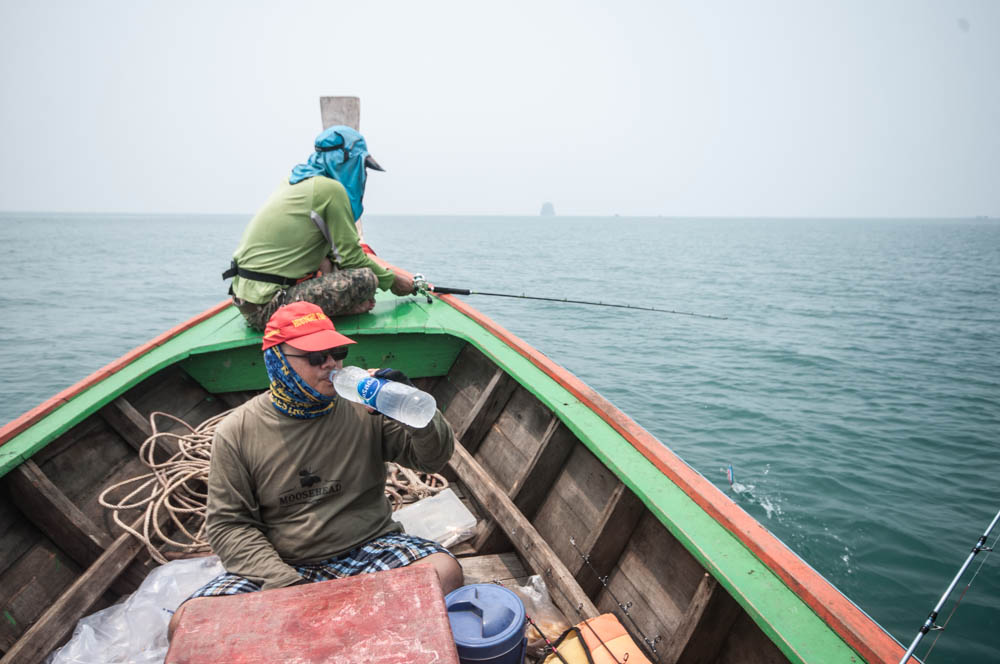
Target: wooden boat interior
545	504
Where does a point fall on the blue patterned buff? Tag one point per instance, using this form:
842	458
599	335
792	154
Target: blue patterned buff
290	394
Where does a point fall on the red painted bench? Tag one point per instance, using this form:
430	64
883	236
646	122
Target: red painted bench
387	617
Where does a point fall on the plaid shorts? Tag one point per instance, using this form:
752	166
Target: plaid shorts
386	552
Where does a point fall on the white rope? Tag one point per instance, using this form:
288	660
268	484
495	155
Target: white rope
176	487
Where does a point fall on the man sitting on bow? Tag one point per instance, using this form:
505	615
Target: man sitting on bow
296	486
304	243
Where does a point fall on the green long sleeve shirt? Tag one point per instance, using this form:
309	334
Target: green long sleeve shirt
284	491
283	239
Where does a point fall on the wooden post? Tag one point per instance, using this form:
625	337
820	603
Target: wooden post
340	111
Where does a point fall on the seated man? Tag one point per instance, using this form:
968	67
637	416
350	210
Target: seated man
304	243
297	477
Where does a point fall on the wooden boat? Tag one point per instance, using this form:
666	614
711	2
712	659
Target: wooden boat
564	484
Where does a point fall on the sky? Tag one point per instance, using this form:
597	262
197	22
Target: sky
711	108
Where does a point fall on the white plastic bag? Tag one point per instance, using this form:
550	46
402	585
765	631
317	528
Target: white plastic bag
537	604
442	518
135	630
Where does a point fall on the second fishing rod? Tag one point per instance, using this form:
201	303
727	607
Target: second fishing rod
423	288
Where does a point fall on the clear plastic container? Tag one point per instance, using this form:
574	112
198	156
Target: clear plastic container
396	400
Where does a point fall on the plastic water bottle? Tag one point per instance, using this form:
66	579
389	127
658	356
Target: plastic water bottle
396	400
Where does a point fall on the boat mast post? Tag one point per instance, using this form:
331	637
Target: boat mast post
342	111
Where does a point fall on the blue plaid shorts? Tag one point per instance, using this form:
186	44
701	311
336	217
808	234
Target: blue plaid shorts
386	552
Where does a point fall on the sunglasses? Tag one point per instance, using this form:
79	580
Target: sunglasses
318	357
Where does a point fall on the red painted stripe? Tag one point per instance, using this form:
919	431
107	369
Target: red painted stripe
11	429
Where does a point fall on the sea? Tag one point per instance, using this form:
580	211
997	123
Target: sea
853	385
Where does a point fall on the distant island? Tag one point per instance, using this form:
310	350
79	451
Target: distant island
548	210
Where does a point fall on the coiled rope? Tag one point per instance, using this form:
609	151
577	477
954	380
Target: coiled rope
173	492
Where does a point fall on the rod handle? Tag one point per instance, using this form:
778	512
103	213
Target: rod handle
444	290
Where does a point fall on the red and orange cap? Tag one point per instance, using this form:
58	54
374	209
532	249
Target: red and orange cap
302	325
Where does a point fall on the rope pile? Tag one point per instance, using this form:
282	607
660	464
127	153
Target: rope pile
175	488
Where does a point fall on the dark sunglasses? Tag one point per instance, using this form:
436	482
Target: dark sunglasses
318	357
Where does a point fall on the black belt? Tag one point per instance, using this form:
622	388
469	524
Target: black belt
235	270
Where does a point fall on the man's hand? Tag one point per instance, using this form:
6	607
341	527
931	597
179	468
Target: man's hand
394	375
402	285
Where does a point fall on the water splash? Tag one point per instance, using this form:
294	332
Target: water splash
747	494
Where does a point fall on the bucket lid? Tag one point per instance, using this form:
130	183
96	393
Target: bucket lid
487	620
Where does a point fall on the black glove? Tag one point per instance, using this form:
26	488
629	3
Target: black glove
394	375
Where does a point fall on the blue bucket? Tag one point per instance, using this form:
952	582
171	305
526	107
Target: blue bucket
487	622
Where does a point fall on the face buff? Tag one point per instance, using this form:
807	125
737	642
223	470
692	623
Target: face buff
289	393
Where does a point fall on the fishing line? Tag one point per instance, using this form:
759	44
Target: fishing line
989	550
423	288
929	623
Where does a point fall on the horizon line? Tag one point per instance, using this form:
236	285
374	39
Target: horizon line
531	216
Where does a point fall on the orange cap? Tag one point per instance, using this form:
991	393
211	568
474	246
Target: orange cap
302	325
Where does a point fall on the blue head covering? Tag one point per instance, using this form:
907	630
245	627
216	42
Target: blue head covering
340	154
290	394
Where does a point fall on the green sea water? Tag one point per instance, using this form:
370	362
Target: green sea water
854	388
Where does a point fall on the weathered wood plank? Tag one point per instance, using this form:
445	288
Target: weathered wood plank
236	399
502	457
127	421
503	567
532	482
59	519
174	391
458	392
565	591
79	470
747	644
17	534
55	514
29	586
60	618
575	504
485	410
67	440
704	626
531	488
608	538
513	440
340	111
657	574
427	383
524	420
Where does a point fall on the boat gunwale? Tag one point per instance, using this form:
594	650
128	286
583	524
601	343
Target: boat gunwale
11	430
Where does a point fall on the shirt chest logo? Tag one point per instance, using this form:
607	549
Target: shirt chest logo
311	489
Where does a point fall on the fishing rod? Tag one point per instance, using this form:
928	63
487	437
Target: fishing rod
423	288
929	623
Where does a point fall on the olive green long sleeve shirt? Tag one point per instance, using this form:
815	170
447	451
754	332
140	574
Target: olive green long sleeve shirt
285	491
283	239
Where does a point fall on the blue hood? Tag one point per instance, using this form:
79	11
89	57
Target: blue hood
340	154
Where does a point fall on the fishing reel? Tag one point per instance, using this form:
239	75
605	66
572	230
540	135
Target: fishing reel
421	287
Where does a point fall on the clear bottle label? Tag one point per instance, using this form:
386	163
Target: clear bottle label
368	389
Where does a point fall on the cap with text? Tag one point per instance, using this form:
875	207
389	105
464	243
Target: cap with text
302	325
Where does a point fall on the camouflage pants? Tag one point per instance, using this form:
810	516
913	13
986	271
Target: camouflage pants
340	293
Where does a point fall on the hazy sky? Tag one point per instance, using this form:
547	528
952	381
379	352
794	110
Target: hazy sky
640	108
